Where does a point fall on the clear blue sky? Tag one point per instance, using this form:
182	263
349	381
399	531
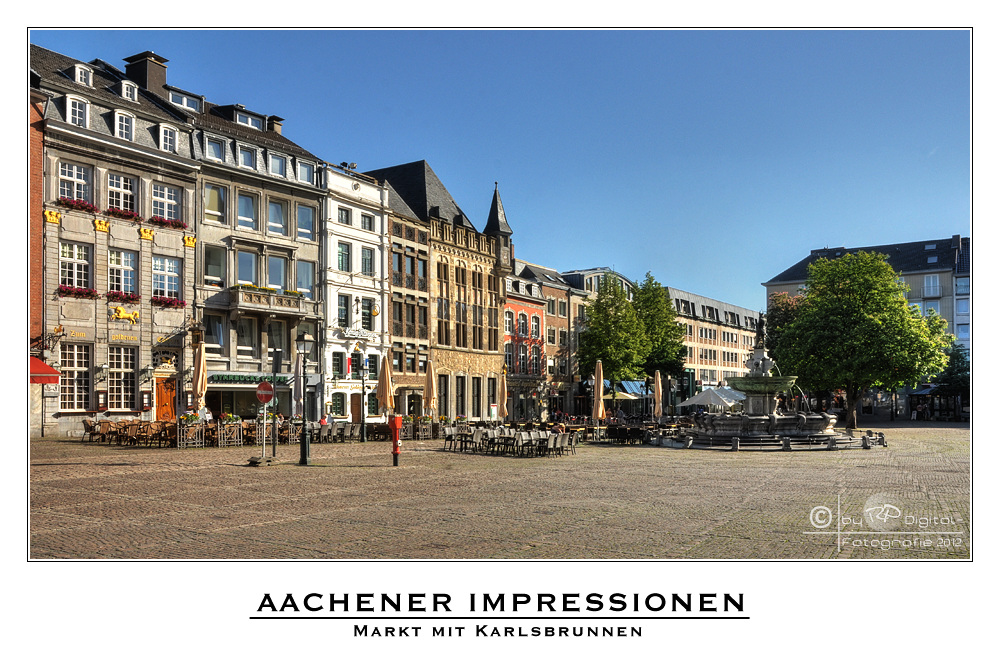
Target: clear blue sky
713	159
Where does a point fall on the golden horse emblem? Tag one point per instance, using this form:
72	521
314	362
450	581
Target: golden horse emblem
121	314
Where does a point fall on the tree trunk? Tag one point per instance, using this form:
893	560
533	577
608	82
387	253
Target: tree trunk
851	401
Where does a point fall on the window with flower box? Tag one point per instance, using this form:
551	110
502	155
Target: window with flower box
74	181
122	382
166	202
166	277
74	265
122	266
121	192
74	376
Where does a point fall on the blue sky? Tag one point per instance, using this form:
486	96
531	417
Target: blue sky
713	159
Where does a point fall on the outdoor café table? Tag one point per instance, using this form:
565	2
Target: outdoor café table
466	438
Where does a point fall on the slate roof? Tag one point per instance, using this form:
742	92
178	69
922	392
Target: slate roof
697	301
420	188
215	119
397	205
541	274
55	71
963	262
497	221
903	257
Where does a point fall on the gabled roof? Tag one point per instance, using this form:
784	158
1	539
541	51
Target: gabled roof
420	188
924	255
497	221
397	205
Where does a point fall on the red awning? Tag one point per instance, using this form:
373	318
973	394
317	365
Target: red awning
41	373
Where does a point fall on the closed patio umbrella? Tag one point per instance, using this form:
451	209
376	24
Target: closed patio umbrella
384	390
502	396
199	384
598	411
430	390
657	396
298	388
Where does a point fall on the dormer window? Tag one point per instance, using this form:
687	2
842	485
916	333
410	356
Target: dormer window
278	164
124	125
248	120
185	101
168	138
78	111
130	91
84	75
306	172
930	246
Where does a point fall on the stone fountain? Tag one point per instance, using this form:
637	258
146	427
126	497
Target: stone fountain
763	423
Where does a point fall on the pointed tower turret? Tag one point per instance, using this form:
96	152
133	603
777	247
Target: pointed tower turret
497	226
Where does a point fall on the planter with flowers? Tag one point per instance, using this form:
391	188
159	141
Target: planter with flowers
228	419
189	419
81	293
123	298
167	302
164	222
77	204
123	214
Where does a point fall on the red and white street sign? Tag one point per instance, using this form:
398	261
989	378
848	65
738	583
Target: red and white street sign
265	392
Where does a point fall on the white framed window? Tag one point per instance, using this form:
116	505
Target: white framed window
74	181
249	120
122	270
344	215
215	203
508	322
246	337
83	75
536	325
367	222
215	149
307	172
166	277
185	101
130	91
246	268
278	164
368	261
277	218
121	192
78	111
166	201
522	324
962	306
305	276
74	265
248	157
122	381
215	266
74	376
247	211
168	138
124	125
344	257
215	334
276	269
306	217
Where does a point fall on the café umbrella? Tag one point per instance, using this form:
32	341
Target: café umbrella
199	383
598	411
384	390
502	396
430	390
657	396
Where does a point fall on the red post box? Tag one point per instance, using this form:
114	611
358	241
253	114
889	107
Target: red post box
395	425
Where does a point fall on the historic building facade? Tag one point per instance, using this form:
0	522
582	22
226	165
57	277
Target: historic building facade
466	268
119	187
356	293
524	349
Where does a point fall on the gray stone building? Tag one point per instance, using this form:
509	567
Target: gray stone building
120	186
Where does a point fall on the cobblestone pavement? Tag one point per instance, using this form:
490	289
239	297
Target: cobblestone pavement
610	502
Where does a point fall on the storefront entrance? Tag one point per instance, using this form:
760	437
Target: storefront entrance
356	408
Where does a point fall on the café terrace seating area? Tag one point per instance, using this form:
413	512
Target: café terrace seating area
517	439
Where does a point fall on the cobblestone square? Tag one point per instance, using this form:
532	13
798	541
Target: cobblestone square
606	502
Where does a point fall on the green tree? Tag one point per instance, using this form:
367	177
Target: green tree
955	379
782	309
659	320
614	335
854	330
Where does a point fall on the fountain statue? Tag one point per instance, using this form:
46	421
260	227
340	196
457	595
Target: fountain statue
765	423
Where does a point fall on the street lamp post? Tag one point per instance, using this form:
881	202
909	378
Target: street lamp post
364	398
304	345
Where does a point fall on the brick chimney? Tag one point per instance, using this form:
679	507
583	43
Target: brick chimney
149	71
274	124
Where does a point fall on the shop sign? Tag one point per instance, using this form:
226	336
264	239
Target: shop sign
352	333
246	378
124	337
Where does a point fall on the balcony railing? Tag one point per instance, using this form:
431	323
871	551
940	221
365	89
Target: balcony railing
252	298
931	291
